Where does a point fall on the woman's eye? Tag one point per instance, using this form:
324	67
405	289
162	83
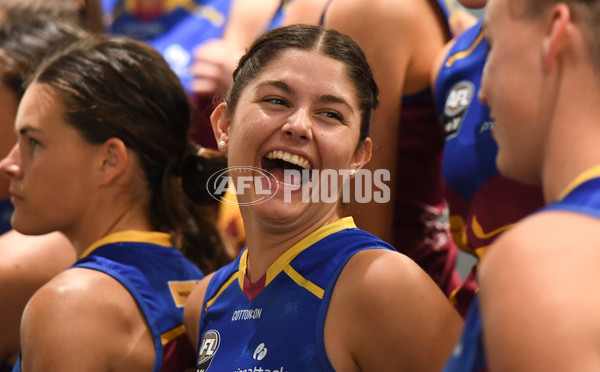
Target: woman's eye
276	101
332	115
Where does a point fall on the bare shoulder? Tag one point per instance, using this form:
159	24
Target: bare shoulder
98	322
193	309
383	299
35	256
26	263
543	273
547	238
376	18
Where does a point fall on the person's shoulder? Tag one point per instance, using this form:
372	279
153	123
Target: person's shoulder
94	317
87	293
376	273
541	243
347	11
384	293
543	272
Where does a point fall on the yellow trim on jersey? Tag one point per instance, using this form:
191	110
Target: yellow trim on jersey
323	232
168	6
152	237
480	234
282	263
303	282
464	53
587	175
284	260
223	288
169	336
242	268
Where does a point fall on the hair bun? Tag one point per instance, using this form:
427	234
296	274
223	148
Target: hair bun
196	172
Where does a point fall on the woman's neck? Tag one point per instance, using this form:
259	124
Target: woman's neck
266	242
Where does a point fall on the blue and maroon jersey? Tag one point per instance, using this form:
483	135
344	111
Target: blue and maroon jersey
421	228
280	327
482	202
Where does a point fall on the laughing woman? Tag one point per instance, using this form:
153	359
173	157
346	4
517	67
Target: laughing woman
102	147
311	291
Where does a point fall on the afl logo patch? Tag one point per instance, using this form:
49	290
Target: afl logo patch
208	348
459	98
457	101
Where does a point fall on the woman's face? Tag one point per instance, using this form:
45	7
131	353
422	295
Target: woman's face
50	169
300	113
514	69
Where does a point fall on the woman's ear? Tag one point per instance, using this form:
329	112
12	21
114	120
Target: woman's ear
557	36
362	155
220	121
114	158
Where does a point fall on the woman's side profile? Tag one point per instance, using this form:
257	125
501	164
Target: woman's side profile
101	156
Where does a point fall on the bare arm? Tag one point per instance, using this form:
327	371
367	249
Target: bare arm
388	31
26	263
193	309
386	314
84	320
539	295
305	12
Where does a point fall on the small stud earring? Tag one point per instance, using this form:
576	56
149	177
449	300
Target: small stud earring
222	144
353	172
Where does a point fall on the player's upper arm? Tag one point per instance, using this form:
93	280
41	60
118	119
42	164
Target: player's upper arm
193	309
398	317
539	296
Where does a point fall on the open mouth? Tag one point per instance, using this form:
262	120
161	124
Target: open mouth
286	168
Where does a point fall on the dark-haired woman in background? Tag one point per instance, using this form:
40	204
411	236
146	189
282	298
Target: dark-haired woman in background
102	146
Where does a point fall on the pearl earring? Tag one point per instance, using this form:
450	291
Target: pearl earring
222	144
352	172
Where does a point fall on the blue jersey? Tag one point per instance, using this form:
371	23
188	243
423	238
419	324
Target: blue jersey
6	211
469	355
281	329
159	278
175	31
482	202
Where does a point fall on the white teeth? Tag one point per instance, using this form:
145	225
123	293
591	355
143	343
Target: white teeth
286	156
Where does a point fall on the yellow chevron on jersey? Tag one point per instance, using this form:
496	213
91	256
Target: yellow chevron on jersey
284	260
480	234
464	53
152	237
